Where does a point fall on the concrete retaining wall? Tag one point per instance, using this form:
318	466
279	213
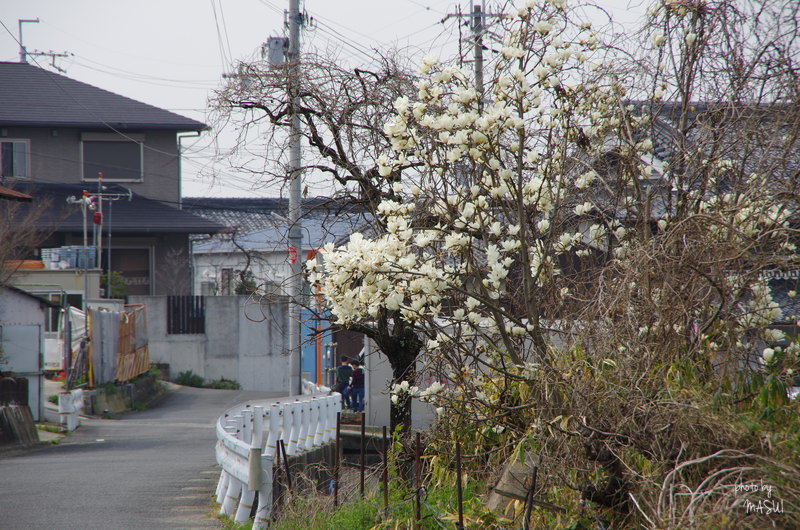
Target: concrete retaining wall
244	342
123	397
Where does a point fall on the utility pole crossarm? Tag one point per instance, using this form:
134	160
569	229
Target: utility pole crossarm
478	27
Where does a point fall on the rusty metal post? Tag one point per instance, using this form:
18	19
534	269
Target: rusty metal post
336	461
417	485
286	467
276	474
529	499
363	452
385	475
458	488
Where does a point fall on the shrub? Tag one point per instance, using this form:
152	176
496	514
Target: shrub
189	378
225	384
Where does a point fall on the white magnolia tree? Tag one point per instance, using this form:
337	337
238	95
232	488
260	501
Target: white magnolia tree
582	244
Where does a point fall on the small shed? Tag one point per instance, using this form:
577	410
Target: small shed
22	325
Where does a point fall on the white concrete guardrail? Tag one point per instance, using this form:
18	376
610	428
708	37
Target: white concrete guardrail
70	406
310	388
248	437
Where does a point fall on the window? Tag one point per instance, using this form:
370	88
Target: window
118	158
14	158
227	282
208	288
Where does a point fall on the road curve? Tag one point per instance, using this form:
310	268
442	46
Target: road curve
151	469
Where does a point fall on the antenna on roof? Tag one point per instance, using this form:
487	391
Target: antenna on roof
52	56
23	53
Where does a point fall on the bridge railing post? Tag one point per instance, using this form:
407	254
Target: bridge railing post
247	440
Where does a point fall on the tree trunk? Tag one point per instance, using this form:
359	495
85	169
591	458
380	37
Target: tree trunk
401	346
402	351
400	413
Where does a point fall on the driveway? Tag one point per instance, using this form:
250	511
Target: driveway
150	469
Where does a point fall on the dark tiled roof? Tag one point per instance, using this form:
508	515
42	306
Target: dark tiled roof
260	224
316	229
251	214
31	96
140	215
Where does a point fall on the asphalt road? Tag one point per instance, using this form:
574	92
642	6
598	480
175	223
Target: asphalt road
150	469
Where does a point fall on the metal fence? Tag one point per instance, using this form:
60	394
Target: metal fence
118	345
134	355
186	315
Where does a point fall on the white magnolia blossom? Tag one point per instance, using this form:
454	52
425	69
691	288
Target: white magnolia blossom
504	200
773	335
768	355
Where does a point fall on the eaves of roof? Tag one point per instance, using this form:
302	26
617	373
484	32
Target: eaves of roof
139	215
13	195
40	299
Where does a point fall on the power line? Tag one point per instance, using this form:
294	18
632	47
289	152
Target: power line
225	31
150	174
364	51
104	47
150	81
223	55
132	74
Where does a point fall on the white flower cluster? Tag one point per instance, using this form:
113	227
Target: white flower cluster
404	388
367	276
761	310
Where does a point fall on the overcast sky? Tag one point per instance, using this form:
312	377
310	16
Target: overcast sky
172	53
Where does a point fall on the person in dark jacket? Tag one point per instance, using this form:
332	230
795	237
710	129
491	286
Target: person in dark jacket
343	373
357	387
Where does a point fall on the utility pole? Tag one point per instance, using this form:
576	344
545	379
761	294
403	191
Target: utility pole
477	36
295	185
477	26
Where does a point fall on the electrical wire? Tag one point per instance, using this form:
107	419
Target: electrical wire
105	48
225	59
114	70
150	81
55	80
151	174
225	31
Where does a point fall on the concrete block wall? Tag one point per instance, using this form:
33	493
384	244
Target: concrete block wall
244	341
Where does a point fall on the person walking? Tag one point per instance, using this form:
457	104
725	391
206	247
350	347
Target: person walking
357	387
343	373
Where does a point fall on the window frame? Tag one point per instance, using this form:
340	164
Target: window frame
138	139
27	143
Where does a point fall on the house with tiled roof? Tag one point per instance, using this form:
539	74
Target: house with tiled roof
108	169
255	243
